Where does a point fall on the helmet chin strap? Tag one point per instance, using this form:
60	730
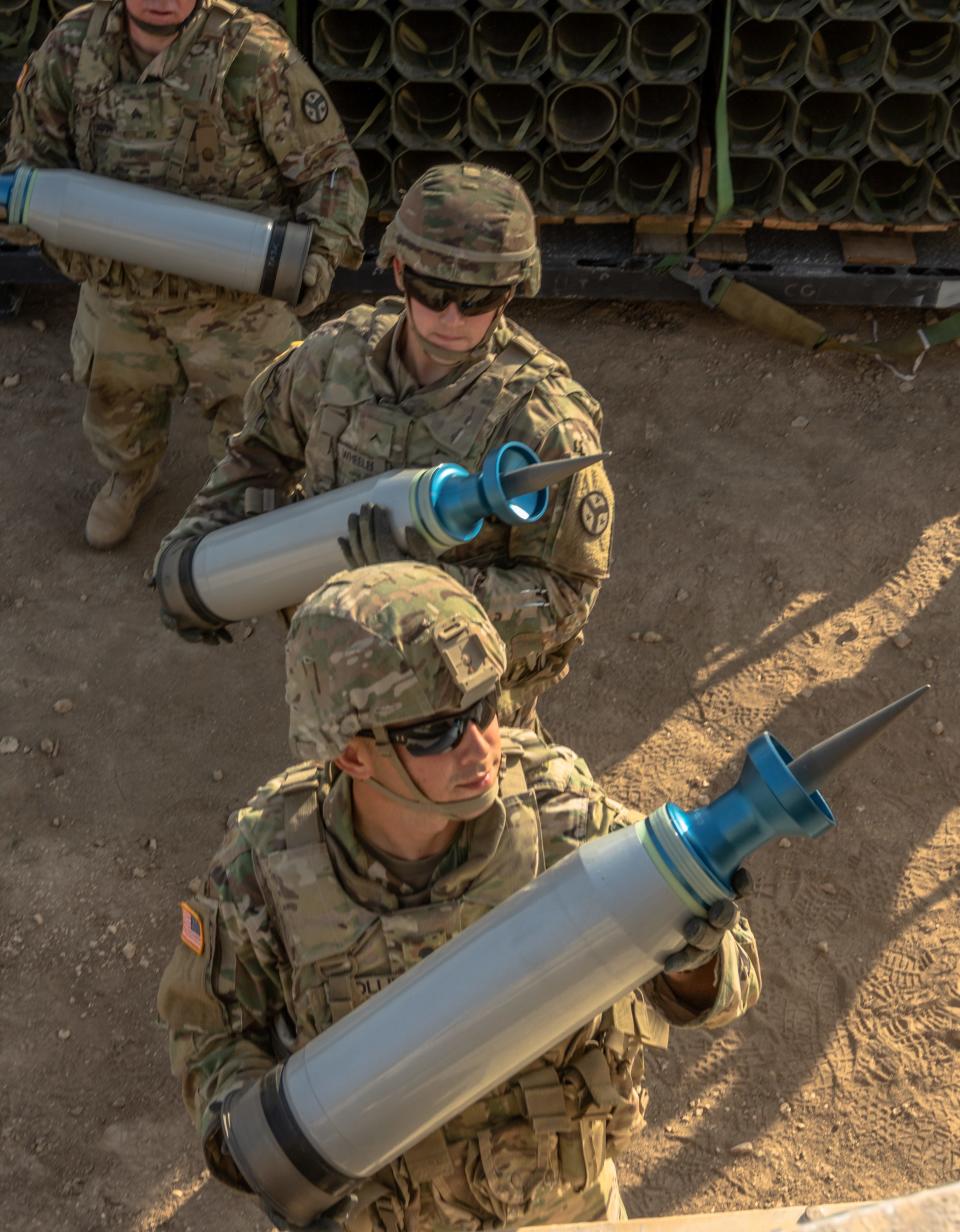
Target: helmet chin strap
455	810
446	355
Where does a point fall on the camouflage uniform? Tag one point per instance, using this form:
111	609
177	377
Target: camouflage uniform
230	113
303	924
343	406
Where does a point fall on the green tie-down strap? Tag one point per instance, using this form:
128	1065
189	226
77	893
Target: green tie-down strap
721	151
752	307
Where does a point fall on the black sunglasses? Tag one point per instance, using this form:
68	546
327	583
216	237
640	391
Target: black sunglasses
435	294
441	735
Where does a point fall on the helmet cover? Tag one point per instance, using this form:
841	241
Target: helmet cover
466	224
387	644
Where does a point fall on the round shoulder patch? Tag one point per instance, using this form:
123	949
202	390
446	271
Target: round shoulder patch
595	513
315	106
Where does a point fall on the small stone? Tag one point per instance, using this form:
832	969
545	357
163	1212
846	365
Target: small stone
129	951
768	376
651	637
635	637
139	873
38	919
63	705
905	387
56	823
928	664
9	744
12	381
703	800
937	728
151	844
801	421
785	1109
828	887
39	326
195	885
65	378
682	595
112	929
823	947
742	1148
217	776
84	598
785	842
902	641
64	1034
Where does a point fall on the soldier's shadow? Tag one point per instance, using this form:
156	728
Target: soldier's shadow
735	534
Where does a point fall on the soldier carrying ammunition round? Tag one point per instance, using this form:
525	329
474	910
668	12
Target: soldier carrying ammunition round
439	376
414	816
209	100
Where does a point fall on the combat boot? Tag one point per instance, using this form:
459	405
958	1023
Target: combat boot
115	506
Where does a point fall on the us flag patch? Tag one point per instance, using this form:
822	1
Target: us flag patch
191	929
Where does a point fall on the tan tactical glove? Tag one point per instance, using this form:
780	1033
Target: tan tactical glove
317	277
370	540
21	236
705	937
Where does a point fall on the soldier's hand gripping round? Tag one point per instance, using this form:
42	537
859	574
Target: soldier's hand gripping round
317	277
212	637
704	937
370	540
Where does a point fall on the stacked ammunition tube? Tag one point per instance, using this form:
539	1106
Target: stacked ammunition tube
594	105
845	109
23	23
836	109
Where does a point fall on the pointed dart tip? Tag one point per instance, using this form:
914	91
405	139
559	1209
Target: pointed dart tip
813	768
545	474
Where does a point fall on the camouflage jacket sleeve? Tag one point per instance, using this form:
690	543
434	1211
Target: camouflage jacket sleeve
300	127
222	991
574	810
738	984
268	452
40	112
541	601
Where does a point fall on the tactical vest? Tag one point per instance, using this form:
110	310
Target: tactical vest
169	134
361	432
580	1101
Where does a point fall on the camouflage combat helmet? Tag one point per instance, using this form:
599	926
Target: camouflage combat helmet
384	645
467	224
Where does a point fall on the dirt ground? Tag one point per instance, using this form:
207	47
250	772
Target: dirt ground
781	519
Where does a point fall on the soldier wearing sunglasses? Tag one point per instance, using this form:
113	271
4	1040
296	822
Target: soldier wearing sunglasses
439	375
413	815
